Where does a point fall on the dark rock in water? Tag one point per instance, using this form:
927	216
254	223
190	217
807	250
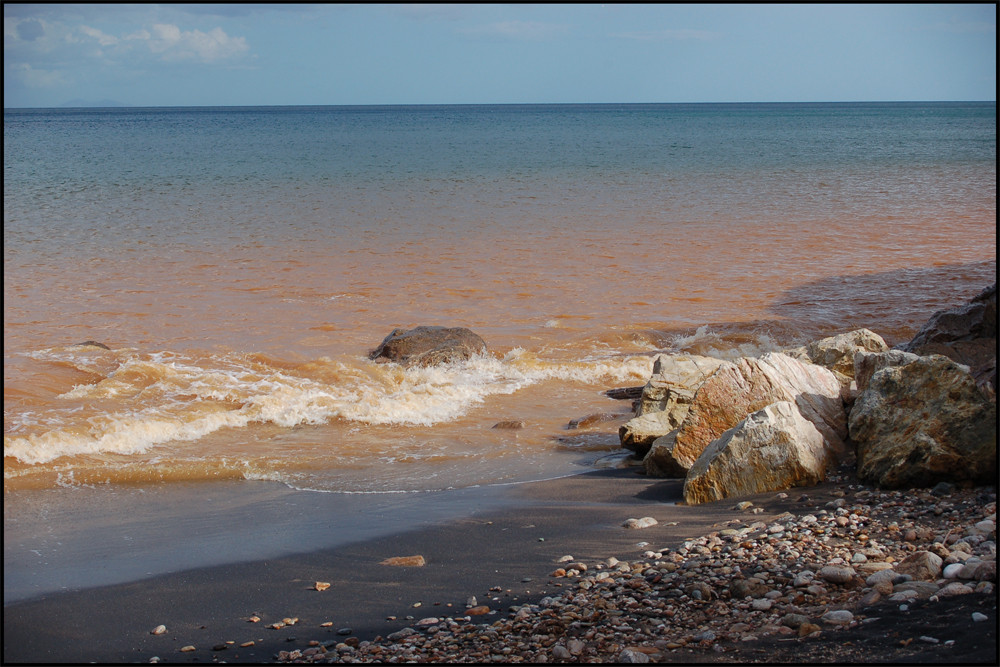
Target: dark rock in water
592	420
509	424
429	346
966	334
624	393
94	343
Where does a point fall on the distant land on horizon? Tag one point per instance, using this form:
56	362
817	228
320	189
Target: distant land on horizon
75	104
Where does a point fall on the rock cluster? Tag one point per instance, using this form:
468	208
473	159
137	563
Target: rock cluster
791	576
912	417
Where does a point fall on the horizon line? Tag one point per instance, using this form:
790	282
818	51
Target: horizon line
473	104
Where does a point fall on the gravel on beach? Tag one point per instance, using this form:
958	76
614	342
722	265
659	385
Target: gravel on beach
872	576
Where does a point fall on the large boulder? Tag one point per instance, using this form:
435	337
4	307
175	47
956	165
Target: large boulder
772	449
429	346
966	334
922	423
738	389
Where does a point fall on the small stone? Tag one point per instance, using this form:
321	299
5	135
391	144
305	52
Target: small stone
158	630
745	505
560	652
838	617
187	649
807	629
979	618
405	561
644	522
321	585
478	611
247	644
836	575
929	640
631	656
344	631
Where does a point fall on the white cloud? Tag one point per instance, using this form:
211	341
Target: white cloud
102	38
518	30
668	35
174	44
34	78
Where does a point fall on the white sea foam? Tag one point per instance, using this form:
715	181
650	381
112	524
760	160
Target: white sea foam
166	398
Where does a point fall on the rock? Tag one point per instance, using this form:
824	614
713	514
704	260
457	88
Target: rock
807	629
922	423
738	389
560	652
674	381
429	346
954	588
794	620
509	424
837	352
838	617
93	343
772	449
592	420
985	571
159	630
321	585
644	522
744	588
966	334
631	656
921	565
405	561
979	618
639	433
836	574
867	364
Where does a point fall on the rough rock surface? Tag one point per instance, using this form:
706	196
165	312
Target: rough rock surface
665	399
922	423
738	389
772	449
675	379
429	346
967	334
837	352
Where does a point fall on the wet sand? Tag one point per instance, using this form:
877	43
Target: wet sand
499	550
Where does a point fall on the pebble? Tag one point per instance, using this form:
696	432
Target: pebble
742	581
979	618
158	630
321	585
644	522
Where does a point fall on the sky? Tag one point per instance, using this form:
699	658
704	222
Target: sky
303	54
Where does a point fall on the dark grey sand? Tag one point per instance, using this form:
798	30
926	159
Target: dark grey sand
498	545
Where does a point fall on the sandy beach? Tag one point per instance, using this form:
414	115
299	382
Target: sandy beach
501	550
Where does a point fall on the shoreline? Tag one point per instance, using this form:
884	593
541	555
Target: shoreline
473	540
502	549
